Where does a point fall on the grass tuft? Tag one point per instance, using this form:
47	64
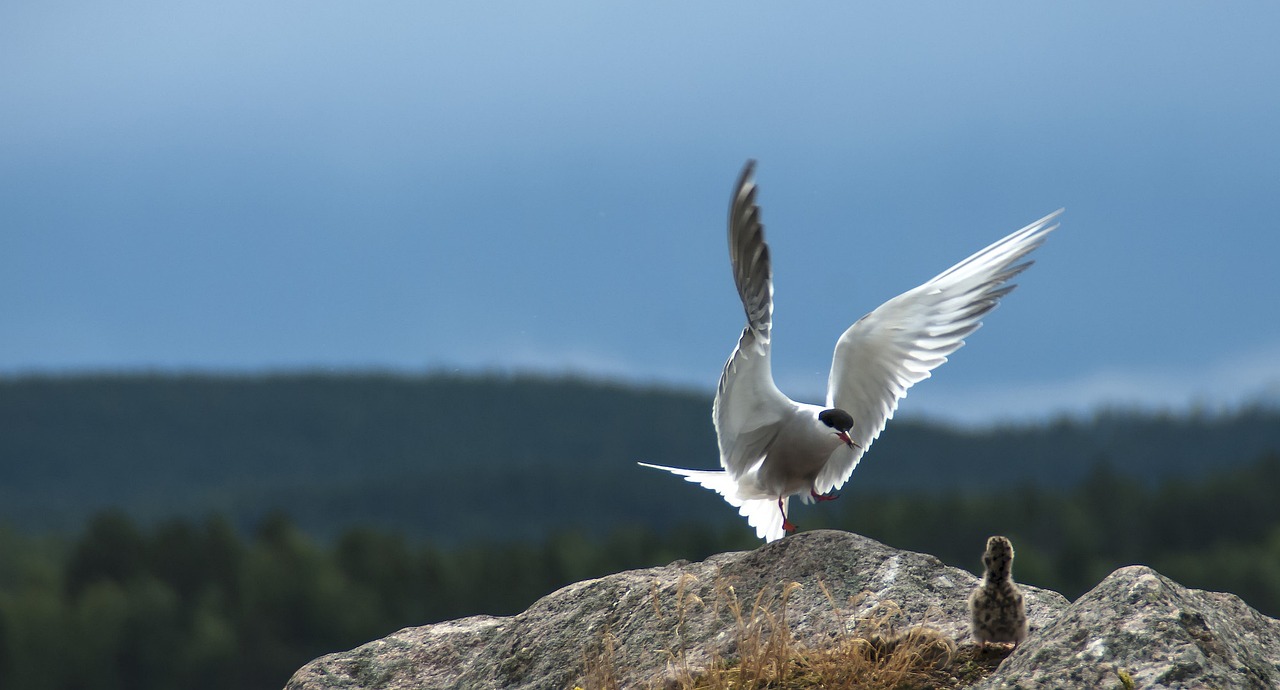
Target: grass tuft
866	652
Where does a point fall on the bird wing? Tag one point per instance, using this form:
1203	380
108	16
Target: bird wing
749	408
887	351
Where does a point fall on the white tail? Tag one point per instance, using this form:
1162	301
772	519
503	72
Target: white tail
718	481
762	514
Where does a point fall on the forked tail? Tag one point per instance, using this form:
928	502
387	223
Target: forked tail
762	514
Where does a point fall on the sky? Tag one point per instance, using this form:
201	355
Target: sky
542	186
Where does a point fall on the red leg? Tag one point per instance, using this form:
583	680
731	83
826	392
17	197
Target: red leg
787	525
819	497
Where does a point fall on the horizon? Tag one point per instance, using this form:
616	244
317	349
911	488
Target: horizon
1264	400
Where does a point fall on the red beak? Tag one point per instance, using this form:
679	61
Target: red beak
844	436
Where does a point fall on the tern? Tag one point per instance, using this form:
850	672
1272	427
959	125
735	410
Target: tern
772	447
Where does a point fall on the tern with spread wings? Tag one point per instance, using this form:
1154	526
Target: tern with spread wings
772	447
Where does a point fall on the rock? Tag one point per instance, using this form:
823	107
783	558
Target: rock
655	617
1138	624
645	628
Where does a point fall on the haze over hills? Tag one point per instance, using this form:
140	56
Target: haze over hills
447	456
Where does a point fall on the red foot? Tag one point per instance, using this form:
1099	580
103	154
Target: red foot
787	525
819	497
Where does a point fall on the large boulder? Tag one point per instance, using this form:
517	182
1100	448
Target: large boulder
647	628
679	615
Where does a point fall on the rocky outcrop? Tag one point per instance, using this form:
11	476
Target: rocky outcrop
1140	629
643	627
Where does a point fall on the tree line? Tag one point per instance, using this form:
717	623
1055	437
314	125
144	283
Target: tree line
195	603
436	457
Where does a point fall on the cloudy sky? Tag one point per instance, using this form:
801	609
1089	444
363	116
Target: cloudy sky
542	185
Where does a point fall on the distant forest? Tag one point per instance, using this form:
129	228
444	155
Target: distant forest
453	458
194	604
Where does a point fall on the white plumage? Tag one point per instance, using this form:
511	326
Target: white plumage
772	447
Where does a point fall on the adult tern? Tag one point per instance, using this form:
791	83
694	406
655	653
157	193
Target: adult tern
772	447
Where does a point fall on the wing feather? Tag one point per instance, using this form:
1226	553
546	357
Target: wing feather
748	404
896	346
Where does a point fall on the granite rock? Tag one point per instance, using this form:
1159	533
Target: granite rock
679	614
1135	629
1139	625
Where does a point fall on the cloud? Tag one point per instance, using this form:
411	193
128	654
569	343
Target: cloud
571	361
1246	377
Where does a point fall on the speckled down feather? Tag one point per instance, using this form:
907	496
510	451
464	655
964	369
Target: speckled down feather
996	608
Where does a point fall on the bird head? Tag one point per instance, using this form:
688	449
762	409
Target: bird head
840	422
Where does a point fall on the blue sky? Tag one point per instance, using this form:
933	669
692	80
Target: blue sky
473	186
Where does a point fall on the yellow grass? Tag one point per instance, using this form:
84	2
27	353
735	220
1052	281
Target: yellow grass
866	652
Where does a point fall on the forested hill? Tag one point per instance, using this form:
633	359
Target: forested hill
495	456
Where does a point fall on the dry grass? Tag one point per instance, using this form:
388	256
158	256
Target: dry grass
865	652
600	671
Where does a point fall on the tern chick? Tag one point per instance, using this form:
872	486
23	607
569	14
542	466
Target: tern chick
996	609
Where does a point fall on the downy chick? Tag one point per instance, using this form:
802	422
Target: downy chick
996	608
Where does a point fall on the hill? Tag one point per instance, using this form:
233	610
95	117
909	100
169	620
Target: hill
500	456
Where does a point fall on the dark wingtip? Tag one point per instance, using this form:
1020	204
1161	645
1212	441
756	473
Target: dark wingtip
743	194
748	170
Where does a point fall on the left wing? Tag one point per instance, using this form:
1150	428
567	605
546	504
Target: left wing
894	347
